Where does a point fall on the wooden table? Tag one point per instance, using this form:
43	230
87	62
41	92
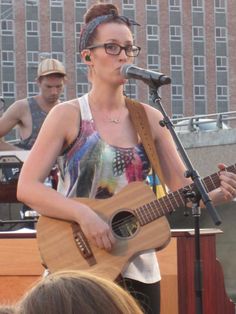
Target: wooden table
20	267
20	264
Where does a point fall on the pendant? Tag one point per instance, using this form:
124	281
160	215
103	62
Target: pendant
114	120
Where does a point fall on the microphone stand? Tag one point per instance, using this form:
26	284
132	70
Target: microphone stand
199	193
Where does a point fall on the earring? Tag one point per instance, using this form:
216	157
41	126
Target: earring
87	58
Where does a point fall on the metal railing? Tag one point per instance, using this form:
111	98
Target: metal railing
223	120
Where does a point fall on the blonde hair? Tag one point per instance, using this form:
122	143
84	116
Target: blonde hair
72	292
7	309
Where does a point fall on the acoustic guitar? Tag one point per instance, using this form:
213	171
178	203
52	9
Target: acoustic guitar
137	220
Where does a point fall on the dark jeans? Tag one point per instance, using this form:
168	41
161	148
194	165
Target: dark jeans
147	295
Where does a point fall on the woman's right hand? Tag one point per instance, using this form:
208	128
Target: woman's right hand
96	230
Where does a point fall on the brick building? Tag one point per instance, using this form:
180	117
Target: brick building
192	41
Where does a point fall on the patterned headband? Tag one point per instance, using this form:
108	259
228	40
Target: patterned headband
92	25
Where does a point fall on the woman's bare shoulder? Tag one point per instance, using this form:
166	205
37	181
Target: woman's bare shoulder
65	118
150	110
154	118
153	114
69	107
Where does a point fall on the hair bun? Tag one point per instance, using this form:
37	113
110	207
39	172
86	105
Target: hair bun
100	9
113	12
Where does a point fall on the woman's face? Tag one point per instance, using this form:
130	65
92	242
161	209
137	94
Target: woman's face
107	67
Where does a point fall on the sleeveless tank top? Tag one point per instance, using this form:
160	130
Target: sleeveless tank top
92	168
38	116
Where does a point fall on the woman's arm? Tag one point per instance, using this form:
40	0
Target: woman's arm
174	168
59	130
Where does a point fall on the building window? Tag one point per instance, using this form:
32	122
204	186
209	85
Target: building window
80	3
82	88
6	1
32	28
222	105
32	89
220	6
131	90
82	73
128	4
32	57
221	63
7	27
58	55
197	5
153	62
198	63
199	92
8	58
222	92
200	99
78	28
31	2
151	5
56	29
221	34
175	5
8	89
198	33
78	60
176	62
177	107
177	92
175	33
222	98
152	32
56	3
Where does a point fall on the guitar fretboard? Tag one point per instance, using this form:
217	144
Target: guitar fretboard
167	204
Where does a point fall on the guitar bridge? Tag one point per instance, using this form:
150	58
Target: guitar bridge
82	244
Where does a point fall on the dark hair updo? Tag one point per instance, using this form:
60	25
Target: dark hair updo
98	10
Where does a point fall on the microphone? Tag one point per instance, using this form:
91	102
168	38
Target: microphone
152	78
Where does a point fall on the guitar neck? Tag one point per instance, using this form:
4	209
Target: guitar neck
167	204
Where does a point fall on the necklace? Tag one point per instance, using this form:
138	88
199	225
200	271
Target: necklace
115	120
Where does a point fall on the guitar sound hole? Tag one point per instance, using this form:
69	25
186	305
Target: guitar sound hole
124	224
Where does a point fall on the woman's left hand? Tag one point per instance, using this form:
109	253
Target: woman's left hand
227	183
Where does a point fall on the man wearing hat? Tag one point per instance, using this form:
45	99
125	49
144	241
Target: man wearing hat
28	114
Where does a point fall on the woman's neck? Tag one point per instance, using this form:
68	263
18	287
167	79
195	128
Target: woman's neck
107	98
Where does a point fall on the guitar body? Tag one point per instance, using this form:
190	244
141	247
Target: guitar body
62	244
136	218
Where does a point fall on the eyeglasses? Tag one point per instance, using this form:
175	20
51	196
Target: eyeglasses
115	49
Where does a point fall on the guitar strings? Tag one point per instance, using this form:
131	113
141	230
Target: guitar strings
117	225
145	212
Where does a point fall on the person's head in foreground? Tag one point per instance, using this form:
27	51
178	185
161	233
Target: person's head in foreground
72	292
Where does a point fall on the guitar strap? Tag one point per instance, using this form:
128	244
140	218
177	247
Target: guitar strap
141	123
